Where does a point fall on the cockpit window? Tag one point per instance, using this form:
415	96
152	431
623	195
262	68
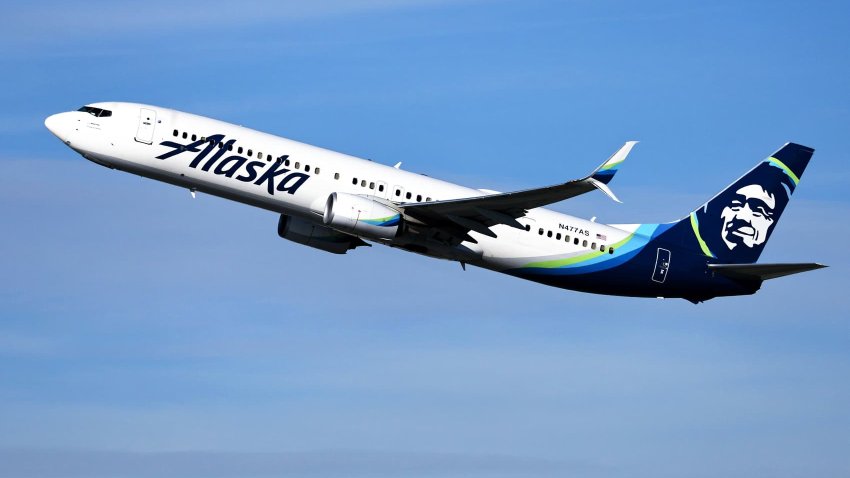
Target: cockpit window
98	112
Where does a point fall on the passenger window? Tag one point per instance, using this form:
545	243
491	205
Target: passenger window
306	168
354	181
336	175
381	187
230	147
203	140
567	237
175	133
286	161
593	246
278	160
185	135
371	185
259	155
427	199
362	183
194	137
548	233
239	150
297	165
558	236
575	241
250	153
584	243
316	171
610	250
527	227
540	231
601	248
398	192
418	198
408	195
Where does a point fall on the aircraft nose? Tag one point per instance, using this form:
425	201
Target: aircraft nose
58	125
52	123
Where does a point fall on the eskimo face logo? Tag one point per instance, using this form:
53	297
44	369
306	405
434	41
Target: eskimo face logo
270	174
748	218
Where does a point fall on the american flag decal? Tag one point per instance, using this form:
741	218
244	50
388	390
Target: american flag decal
601	237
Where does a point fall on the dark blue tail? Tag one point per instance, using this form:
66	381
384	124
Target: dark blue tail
734	226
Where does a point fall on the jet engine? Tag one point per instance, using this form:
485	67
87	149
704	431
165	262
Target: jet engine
315	235
362	216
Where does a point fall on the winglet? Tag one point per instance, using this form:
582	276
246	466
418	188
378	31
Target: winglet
606	171
604	188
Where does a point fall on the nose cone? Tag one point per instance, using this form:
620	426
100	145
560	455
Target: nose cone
52	123
59	125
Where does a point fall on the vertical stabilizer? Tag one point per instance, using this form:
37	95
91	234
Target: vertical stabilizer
734	226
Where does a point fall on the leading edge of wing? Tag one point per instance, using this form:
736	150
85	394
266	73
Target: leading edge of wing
516	203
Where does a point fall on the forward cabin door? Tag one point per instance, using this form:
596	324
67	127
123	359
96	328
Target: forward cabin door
147	122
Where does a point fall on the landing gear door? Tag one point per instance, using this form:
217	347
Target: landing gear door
147	122
662	265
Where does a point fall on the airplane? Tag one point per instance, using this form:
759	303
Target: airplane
335	202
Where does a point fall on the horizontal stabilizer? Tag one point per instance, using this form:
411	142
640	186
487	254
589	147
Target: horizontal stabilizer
762	271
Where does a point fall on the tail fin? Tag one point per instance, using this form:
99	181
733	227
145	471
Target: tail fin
734	225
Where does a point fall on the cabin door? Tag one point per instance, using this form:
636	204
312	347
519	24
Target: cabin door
147	122
662	265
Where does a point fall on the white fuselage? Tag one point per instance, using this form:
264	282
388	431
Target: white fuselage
132	138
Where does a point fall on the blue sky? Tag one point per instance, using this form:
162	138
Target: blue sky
143	333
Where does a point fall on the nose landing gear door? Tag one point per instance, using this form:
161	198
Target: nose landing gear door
147	122
662	265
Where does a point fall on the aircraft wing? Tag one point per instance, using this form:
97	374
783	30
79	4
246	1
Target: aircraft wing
479	213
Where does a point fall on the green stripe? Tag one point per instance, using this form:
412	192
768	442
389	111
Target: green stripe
607	166
576	259
382	219
702	244
785	168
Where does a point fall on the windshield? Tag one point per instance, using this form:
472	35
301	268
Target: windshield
98	112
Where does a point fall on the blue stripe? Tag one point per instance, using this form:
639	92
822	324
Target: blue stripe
642	236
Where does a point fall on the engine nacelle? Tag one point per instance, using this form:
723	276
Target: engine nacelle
362	216
315	235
